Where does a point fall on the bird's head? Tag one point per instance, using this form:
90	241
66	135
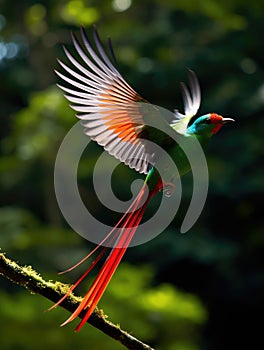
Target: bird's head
208	124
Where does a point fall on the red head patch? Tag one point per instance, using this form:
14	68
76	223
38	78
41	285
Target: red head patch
217	120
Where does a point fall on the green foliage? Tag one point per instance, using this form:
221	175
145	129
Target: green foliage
156	314
76	12
41	125
219	261
28	317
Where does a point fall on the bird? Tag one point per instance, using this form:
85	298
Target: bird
132	130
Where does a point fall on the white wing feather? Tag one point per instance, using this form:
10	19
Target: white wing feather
191	101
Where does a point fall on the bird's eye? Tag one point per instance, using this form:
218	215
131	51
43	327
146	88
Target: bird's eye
208	121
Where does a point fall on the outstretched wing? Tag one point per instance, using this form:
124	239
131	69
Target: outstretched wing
112	113
191	100
108	107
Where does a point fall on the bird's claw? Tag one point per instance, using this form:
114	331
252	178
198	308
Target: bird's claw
168	189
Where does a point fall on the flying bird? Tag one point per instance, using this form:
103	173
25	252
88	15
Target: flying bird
131	129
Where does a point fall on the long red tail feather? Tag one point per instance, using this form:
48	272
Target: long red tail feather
120	236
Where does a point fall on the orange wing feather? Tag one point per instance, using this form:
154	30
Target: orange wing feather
106	104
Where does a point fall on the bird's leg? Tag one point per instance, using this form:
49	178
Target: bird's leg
168	188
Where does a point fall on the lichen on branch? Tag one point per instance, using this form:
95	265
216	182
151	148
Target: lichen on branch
27	277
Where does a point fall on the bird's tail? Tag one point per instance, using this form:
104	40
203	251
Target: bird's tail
120	238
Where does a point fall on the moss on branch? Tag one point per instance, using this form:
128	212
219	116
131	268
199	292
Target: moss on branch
27	277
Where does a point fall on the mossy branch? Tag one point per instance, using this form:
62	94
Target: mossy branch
27	277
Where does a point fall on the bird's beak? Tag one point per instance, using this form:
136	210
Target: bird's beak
227	120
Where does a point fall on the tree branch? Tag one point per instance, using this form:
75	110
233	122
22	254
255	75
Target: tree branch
27	277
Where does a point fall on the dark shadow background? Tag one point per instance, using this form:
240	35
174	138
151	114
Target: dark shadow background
220	261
